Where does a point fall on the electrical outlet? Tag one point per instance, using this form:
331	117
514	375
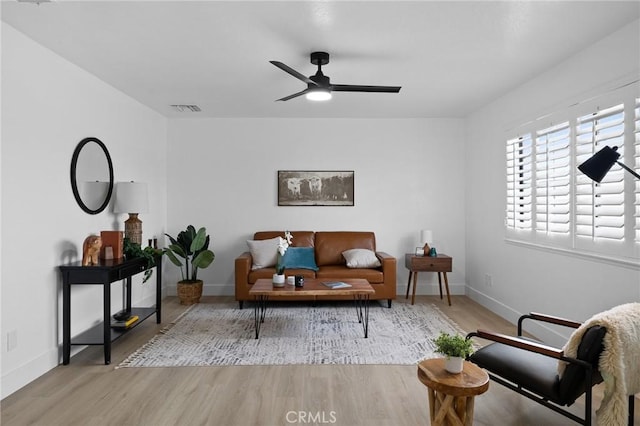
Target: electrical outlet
12	340
488	280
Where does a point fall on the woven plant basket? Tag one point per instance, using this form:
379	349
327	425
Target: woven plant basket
189	292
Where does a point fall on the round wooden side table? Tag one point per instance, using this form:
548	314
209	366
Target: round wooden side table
451	396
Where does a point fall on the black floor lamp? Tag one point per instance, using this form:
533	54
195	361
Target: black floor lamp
598	166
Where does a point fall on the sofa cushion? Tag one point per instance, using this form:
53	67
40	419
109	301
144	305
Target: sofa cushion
264	253
374	276
330	245
299	258
361	258
299	238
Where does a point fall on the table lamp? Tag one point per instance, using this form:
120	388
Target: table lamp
426	237
132	198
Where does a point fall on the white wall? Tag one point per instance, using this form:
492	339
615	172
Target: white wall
48	106
408	176
221	173
526	279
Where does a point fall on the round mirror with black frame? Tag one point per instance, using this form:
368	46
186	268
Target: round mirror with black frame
92	175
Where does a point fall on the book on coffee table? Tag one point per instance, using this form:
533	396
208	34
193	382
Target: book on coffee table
336	284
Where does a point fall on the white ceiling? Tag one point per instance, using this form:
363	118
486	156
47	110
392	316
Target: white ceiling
449	57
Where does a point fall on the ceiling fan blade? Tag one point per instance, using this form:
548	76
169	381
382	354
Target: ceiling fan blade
358	88
293	72
295	95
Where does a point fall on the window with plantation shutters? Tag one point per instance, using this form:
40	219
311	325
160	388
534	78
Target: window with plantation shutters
636	132
551	204
519	177
600	206
552	179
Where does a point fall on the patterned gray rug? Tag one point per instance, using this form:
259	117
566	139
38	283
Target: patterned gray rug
210	334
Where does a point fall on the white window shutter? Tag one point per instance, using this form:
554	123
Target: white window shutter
600	206
558	206
553	179
519	178
636	132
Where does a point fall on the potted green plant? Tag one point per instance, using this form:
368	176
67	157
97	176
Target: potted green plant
133	250
455	348
190	252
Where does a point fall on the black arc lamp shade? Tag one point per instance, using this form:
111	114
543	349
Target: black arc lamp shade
599	165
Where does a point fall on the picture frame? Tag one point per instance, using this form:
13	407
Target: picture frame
316	187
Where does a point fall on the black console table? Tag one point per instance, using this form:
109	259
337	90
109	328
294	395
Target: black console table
107	272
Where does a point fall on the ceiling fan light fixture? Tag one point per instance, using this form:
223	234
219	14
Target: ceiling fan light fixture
319	95
319	86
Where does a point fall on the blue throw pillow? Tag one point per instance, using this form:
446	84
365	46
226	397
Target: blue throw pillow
300	258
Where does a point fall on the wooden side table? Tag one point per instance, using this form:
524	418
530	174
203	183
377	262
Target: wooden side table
451	396
440	264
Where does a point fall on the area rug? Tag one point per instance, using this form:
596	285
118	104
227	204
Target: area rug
209	334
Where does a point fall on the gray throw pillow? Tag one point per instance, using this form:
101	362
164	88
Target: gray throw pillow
263	252
361	258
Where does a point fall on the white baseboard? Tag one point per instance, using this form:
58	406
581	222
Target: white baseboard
28	372
32	369
432	289
538	329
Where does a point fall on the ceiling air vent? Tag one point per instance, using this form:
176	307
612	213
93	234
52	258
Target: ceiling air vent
186	108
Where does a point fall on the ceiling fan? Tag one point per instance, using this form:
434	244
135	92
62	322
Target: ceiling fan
319	86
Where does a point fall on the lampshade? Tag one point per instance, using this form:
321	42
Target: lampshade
131	197
426	236
598	166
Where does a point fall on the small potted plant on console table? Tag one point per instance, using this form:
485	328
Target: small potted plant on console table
133	250
455	348
193	247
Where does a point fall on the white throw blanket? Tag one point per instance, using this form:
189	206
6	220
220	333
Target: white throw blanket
619	362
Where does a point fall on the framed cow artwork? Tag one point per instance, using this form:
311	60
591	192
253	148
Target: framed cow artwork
315	188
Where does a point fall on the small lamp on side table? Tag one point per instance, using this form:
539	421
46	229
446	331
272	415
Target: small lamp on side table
132	198
426	237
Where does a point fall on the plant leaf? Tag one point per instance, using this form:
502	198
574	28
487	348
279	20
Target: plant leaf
204	259
173	258
173	240
178	249
198	241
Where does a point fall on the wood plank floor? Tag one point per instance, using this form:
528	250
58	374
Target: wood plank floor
87	392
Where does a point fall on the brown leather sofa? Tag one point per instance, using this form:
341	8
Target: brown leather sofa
328	248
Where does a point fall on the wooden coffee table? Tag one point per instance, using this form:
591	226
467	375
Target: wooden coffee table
360	290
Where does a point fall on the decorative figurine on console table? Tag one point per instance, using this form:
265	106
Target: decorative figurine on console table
91	250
